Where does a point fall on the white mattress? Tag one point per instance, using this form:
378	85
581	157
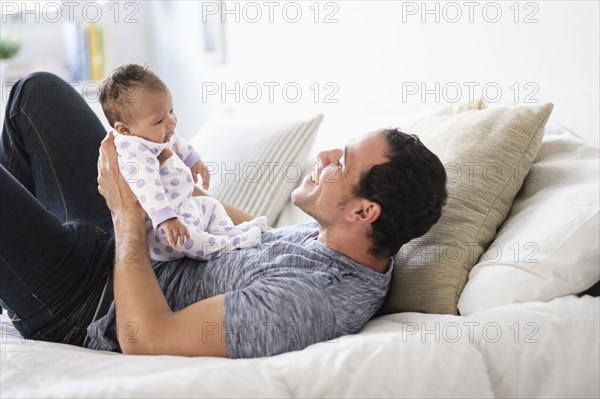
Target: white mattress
544	349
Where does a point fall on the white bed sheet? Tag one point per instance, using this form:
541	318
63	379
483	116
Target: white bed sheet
393	356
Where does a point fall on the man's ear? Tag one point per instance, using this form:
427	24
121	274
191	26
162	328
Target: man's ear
365	211
121	127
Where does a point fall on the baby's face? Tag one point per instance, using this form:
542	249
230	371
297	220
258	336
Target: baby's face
152	115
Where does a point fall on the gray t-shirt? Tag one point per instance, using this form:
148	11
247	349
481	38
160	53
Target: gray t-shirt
288	293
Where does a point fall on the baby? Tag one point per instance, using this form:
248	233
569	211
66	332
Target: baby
161	169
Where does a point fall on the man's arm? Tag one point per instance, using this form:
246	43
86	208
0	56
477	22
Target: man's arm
145	322
237	215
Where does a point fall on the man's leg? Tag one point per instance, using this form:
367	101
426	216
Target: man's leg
50	141
50	273
56	245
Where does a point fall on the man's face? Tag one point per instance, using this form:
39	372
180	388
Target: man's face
326	195
152	115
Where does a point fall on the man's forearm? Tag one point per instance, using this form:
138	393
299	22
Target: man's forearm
139	300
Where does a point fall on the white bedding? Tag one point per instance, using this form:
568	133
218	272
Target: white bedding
546	349
392	357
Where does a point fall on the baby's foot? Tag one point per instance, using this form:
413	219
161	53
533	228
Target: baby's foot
260	222
251	238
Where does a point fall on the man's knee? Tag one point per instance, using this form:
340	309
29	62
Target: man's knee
41	78
39	87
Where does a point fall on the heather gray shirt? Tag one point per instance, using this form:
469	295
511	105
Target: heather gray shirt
289	293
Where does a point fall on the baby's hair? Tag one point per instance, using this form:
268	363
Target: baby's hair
119	87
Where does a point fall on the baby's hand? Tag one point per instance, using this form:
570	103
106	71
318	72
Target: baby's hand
175	231
199	167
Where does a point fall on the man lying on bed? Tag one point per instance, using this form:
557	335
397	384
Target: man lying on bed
308	283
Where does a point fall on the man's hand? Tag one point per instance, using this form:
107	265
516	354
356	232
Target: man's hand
175	231
111	184
200	168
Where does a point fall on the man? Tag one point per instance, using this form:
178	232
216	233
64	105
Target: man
305	284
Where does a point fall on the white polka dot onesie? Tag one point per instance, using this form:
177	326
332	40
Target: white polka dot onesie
165	192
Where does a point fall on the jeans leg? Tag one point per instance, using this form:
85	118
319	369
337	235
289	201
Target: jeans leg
47	269
50	141
56	242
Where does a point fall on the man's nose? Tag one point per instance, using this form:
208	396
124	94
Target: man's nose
330	156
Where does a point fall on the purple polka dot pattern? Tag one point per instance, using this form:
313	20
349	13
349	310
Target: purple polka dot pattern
197	217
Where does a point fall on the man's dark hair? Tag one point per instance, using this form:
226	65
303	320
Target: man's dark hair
118	88
410	188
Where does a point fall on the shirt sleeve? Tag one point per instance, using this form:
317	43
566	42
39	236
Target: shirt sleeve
140	168
185	151
277	315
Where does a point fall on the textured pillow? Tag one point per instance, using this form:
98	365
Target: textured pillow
487	154
548	245
255	161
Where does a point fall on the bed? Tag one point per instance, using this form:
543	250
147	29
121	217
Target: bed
518	324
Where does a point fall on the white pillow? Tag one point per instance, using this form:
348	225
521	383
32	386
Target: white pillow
255	160
548	245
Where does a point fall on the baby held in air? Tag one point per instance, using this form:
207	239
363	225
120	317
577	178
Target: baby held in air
161	169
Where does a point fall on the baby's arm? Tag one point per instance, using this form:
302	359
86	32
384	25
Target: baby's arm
192	160
176	232
185	151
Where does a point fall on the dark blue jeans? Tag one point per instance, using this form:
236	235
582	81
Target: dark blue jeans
56	234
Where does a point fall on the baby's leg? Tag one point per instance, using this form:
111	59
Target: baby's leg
221	224
205	246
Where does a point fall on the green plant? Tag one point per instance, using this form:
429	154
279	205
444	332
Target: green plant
8	48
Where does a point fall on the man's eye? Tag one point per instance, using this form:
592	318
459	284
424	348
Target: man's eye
159	122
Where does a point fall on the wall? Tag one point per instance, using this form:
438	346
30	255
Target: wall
376	58
379	52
